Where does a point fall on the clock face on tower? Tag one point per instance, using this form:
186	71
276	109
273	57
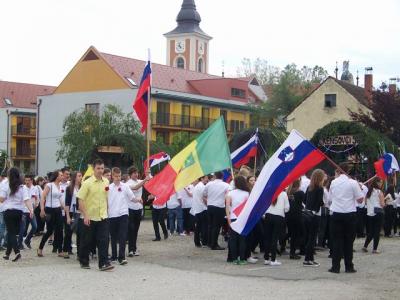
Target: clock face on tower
180	46
201	48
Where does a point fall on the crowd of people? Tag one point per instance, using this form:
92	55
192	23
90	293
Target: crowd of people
103	213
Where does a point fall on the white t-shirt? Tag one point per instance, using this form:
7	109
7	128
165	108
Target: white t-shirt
281	206
198	205
364	190
3	182
33	196
373	202
215	192
137	193
15	201
238	197
173	201
304	183
118	199
187	199
54	196
343	194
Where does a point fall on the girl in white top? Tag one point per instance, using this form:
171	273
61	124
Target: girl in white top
235	200
51	205
274	224
375	203
14	197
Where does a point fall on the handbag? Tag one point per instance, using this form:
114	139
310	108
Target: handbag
378	210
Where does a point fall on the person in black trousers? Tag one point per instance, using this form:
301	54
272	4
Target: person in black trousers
389	211
293	217
14	197
199	210
314	202
158	215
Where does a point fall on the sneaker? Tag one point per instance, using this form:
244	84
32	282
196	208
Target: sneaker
235	262
315	264
107	267
28	244
182	234
74	246
122	262
85	266
242	262
275	263
136	253
332	270
376	251
267	262
165	236
17	257
113	260
131	253
351	270
158	239
252	260
6	257
308	264
364	249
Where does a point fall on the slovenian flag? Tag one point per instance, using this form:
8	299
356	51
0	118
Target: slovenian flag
142	98
155	160
294	158
242	155
386	165
207	154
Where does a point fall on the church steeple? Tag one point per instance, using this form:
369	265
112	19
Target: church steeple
188	44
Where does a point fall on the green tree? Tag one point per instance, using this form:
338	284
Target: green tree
3	160
265	73
84	131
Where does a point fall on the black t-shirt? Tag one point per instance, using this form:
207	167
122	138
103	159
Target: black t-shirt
315	199
296	204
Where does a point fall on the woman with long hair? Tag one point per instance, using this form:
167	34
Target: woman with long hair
237	242
375	203
51	205
293	217
71	212
314	202
14	197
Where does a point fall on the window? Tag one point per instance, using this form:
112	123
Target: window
162	113
224	114
180	63
7	101
200	65
93	108
237	126
186	115
330	100
238	93
205	117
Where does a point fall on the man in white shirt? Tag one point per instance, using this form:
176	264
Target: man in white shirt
344	193
187	199
174	205
214	193
199	211
135	209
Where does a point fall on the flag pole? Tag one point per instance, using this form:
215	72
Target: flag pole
148	133
255	157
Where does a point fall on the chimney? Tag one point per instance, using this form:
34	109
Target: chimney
368	84
392	86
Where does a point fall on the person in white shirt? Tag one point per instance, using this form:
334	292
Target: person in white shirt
26	219
175	218
67	247
39	184
51	205
214	193
119	195
344	193
199	211
375	203
304	183
274	224
362	213
14	197
234	199
389	209
158	213
187	199
135	209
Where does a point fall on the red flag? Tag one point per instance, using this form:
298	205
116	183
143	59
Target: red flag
142	98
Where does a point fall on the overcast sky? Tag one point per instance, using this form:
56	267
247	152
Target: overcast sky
41	40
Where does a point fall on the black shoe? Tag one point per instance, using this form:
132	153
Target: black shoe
295	257
131	253
332	270
217	248
156	240
351	270
165	236
85	266
107	267
17	257
6	257
28	245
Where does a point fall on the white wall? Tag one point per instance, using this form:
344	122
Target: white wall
55	108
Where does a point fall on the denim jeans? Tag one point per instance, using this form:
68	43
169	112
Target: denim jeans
2	229
33	229
175	214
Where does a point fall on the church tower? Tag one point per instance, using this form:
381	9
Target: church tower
188	45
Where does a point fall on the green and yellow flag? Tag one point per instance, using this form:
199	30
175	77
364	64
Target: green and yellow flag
207	154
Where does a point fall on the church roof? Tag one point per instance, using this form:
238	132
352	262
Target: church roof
188	20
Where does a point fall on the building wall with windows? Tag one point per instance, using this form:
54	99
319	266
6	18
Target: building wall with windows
330	102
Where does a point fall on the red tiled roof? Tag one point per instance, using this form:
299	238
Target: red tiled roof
22	95
180	80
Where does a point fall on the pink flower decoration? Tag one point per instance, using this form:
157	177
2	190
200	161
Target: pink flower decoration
62	191
119	189
107	188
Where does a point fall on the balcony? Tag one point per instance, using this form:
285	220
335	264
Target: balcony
24	153
17	130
